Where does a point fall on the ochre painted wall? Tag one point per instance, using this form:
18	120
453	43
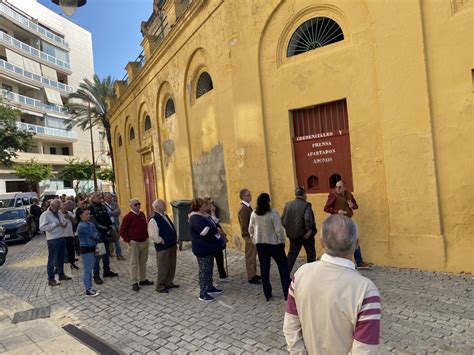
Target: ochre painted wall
404	68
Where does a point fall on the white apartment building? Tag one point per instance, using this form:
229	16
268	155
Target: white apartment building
43	58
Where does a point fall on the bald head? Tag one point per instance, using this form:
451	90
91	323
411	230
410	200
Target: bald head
159	206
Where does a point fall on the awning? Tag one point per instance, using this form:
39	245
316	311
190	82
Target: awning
32	66
53	96
14	58
49	73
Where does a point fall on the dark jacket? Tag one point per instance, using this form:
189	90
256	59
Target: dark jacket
167	232
100	219
203	235
298	218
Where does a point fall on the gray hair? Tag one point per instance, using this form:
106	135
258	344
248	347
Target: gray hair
339	235
57	202
242	192
132	200
156	203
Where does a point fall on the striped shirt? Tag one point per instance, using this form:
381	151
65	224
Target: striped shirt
332	309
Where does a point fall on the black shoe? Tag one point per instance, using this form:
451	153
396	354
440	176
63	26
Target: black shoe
254	281
145	282
135	287
74	266
172	286
258	277
53	283
64	278
162	290
269	298
98	280
110	274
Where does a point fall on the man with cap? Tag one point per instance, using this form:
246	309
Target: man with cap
300	225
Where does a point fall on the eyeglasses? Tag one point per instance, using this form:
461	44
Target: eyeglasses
338	187
137	204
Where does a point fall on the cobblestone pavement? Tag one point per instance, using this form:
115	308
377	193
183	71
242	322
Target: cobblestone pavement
424	312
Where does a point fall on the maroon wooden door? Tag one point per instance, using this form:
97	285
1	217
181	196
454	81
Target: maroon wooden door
322	146
149	178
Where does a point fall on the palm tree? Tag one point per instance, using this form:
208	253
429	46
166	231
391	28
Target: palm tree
91	97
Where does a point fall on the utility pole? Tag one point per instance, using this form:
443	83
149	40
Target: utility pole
92	146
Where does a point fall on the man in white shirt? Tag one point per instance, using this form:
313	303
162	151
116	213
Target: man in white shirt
53	223
331	308
163	233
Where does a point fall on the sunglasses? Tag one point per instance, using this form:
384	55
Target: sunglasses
137	204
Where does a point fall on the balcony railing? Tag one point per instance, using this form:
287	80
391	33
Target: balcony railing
48	131
24	22
6	38
28	101
32	76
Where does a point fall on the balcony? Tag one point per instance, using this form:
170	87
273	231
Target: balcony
36	53
37	79
30	103
41	131
39	30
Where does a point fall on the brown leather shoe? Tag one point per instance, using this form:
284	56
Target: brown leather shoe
53	283
172	286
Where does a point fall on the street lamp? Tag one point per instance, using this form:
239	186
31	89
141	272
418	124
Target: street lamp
69	6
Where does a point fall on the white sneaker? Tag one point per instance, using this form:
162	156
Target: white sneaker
225	279
92	293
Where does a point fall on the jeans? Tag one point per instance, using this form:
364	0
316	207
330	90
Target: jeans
88	260
55	257
295	247
118	248
265	253
220	264
358	256
105	261
206	263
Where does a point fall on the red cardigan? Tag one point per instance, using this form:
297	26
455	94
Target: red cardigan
134	227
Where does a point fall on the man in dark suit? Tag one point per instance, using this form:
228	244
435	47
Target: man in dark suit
35	211
245	210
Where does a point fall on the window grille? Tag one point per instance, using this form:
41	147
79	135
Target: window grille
204	84
147	123
314	33
169	108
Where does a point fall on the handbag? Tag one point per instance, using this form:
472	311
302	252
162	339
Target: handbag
100	249
112	235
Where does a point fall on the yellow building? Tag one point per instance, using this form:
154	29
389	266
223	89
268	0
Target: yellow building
272	94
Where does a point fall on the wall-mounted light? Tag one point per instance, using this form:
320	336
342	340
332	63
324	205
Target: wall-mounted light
69	6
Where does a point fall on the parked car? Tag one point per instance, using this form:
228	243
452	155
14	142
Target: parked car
17	199
52	194
16	224
3	252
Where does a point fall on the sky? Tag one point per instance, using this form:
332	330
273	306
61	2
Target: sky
115	28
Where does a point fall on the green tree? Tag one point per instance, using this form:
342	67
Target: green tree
90	98
12	139
76	170
33	172
106	174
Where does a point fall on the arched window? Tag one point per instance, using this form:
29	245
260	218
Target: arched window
204	84
147	123
169	108
131	134
333	180
120	141
314	33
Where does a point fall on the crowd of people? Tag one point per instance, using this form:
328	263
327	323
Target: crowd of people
349	300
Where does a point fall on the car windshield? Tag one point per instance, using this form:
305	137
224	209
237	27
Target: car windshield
12	214
7	202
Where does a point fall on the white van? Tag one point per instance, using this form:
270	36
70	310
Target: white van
52	194
16	199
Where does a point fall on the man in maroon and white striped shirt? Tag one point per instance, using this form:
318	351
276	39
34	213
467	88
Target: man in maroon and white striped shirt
331	308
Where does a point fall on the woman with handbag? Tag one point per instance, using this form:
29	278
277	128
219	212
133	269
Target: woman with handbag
267	234
219	257
90	245
205	244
